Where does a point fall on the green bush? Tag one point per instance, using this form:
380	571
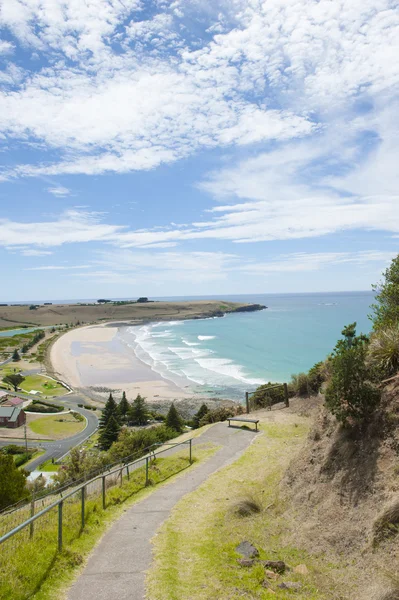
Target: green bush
383	353
386	308
217	414
12	449
21	459
264	396
44	407
350	396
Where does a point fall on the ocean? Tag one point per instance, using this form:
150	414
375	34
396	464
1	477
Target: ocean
233	354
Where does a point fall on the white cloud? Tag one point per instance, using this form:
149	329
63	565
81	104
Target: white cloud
59	191
6	47
275	65
58	268
33	252
70	227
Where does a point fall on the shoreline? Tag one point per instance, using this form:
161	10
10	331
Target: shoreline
91	358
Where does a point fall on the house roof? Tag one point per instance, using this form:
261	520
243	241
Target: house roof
13	402
10	412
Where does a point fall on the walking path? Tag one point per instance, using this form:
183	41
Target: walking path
117	567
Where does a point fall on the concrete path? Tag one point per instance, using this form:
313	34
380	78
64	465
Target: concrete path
117	567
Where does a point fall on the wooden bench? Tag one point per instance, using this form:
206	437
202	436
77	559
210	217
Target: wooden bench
256	421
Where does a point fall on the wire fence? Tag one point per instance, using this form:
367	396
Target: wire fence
42	528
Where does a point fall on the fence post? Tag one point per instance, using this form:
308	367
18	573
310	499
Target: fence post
247	401
83	492
32	512
286	398
127	472
103	486
121	476
60	526
191	456
146	471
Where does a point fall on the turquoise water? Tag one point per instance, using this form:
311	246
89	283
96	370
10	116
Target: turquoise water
12	332
226	356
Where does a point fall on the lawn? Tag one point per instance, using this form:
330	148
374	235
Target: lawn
195	550
48	466
47	387
57	426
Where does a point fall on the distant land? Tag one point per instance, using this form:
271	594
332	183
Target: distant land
139	312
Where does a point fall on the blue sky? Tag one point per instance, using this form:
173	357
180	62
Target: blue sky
194	147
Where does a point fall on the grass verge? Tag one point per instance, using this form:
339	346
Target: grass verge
194	550
57	426
33	568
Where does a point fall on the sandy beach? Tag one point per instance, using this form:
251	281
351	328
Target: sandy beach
94	359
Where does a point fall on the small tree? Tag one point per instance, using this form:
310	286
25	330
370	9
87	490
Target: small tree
349	395
109	434
15	356
199	415
386	308
173	419
123	407
110	409
14	379
138	414
12	482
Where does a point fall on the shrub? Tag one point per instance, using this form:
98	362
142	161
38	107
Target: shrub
21	459
350	396
247	506
383	354
217	414
264	396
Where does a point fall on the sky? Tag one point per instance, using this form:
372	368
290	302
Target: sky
197	147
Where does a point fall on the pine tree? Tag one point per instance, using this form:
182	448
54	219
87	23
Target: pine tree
198	415
110	410
109	434
173	419
15	356
123	407
138	414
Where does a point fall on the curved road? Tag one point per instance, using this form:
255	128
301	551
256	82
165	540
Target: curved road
58	448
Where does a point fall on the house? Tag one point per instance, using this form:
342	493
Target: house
11	417
11	401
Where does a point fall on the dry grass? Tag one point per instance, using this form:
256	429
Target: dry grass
387	522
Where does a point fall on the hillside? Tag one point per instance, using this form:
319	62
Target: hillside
343	501
57	314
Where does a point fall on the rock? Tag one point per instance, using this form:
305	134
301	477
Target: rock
246	562
301	569
278	566
271	574
247	550
290	585
266	585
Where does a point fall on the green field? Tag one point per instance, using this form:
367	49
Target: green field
46	386
57	426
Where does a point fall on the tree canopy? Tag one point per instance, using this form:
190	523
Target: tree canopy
386	307
350	396
173	419
12	482
14	379
138	414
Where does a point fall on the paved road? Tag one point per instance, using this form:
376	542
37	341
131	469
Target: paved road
58	448
118	565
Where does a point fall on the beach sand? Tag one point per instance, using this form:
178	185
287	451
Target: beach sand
94	359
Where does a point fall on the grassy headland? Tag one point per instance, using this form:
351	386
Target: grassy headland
58	314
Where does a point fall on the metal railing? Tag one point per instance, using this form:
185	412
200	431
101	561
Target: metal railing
96	485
